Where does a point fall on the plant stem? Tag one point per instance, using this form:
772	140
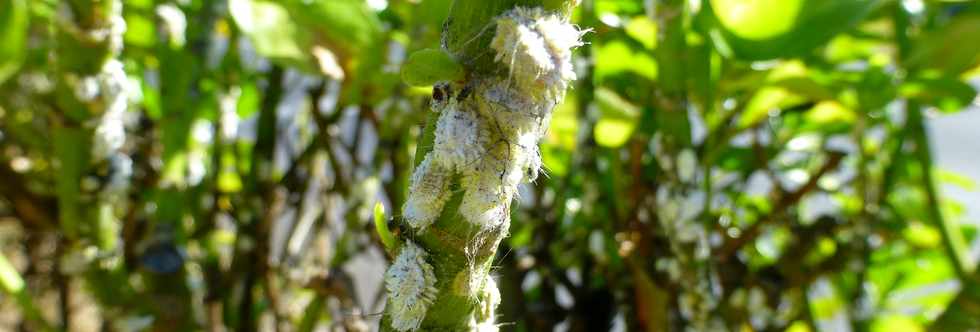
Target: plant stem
454	249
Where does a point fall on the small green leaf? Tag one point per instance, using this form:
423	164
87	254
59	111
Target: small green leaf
428	66
381	224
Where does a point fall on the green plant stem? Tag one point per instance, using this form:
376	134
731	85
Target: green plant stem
467	35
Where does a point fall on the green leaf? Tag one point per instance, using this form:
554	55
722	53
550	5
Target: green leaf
347	27
956	179
617	119
922	235
248	102
785	88
10	280
644	30
617	57
896	323
273	33
949	94
381	224
140	31
229	181
829	113
952	49
428	66
13	33
769	29
758	19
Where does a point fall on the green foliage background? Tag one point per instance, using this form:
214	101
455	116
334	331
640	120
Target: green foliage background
744	165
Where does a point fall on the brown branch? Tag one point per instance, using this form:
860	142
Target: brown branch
34	210
784	202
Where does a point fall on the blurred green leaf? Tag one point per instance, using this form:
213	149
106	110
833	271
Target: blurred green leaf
949	94
140	31
13	31
249	101
827	114
769	29
952	49
617	57
957	179
347	27
229	182
758	19
273	32
922	235
896	323
643	30
617	119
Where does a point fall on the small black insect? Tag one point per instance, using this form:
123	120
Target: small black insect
441	92
465	92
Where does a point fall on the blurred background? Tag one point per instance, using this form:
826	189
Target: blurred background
742	165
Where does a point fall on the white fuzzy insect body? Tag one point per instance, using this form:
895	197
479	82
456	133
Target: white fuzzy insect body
410	282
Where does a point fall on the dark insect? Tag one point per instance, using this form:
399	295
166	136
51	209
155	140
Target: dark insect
441	92
465	92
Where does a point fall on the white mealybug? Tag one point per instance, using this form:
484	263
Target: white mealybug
489	191
429	191
537	46
486	137
459	138
410	282
489	299
110	134
686	165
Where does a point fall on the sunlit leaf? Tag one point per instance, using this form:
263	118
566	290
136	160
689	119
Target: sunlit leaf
922	235
962	181
617	57
428	66
643	30
273	32
13	33
896	323
758	19
768	29
140	31
617	120
829	113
